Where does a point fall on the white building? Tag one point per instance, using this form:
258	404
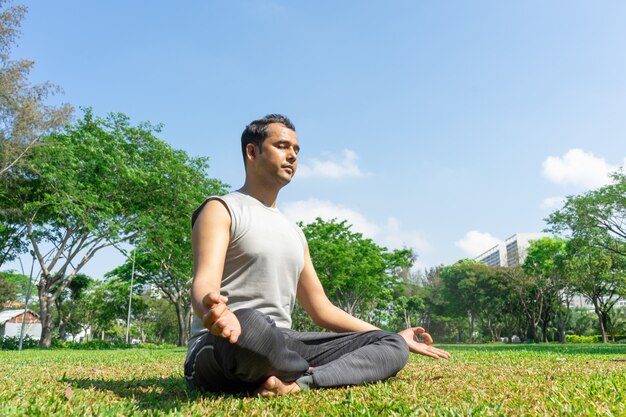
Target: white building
11	323
511	252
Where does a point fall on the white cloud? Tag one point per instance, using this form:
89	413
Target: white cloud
474	243
345	167
391	234
552	203
307	211
578	168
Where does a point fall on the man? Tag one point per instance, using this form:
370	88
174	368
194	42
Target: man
250	264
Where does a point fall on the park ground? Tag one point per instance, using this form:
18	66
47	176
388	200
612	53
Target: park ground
479	380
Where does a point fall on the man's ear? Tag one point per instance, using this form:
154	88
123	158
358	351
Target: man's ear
251	151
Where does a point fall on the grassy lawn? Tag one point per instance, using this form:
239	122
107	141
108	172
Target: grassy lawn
478	380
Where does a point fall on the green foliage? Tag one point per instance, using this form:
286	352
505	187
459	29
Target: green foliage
13	342
359	276
18	284
100	182
7	290
573	338
478	292
599	212
24	115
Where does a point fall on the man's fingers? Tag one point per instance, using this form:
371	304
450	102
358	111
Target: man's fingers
423	334
213	315
427	351
212	298
427	338
234	335
441	353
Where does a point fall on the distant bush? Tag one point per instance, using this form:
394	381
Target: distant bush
154	346
572	338
13	342
105	345
90	345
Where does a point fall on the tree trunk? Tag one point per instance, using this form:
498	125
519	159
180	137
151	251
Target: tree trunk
544	330
604	325
533	332
62	320
45	315
183	325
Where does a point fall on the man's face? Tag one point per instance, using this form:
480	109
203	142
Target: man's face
278	157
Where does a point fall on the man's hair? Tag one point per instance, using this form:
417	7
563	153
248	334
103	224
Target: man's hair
257	131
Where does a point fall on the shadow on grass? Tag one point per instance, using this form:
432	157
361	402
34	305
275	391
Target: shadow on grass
564	349
163	394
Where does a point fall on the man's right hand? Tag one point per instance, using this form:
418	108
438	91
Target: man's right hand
219	319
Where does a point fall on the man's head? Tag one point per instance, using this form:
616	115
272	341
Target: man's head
257	131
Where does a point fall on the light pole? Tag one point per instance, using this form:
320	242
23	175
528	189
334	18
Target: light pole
130	298
30	280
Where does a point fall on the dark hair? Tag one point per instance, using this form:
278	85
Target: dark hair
257	131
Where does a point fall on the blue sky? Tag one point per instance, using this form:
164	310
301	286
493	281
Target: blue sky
443	126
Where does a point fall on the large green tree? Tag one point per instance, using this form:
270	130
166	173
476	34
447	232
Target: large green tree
24	115
545	260
478	292
163	254
359	276
599	275
100	182
595	222
597	212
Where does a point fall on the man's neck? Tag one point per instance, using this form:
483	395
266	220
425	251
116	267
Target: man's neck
266	196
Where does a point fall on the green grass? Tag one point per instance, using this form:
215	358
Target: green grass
479	380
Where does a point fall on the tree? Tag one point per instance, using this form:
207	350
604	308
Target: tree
19	284
546	259
407	311
163	255
24	116
7	291
461	299
596	223
478	292
67	301
99	183
359	276
435	318
530	292
12	243
106	308
601	211
599	275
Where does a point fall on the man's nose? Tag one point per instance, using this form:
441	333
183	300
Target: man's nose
292	155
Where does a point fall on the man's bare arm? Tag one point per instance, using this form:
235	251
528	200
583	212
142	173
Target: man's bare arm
315	302
210	238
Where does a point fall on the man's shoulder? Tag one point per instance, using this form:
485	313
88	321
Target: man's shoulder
225	200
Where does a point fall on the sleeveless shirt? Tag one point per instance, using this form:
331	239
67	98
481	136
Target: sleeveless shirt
264	259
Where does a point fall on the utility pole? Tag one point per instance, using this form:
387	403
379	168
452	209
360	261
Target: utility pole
30	280
130	298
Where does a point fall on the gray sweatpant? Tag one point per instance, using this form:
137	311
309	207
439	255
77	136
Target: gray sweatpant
312	359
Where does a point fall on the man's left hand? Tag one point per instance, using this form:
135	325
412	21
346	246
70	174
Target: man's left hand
420	341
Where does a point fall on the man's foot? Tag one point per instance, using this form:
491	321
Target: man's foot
274	386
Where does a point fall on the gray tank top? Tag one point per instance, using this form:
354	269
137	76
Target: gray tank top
263	261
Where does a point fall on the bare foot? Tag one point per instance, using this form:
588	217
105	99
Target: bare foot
274	386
